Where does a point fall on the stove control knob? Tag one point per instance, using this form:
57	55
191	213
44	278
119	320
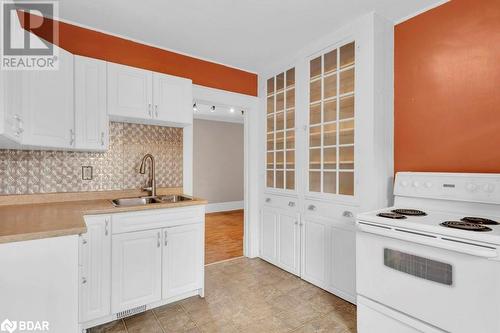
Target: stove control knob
404	183
489	188
470	187
416	184
428	184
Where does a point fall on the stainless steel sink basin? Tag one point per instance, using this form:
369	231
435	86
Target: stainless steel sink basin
141	201
173	198
135	201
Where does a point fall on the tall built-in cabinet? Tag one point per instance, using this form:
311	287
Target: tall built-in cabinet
342	140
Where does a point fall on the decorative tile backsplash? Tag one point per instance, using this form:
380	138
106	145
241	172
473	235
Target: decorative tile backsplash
30	171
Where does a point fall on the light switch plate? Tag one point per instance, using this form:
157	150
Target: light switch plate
87	172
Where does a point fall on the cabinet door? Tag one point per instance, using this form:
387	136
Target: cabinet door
315	238
289	242
136	269
95	260
129	92
48	109
11	105
173	99
342	278
91	116
182	259
268	234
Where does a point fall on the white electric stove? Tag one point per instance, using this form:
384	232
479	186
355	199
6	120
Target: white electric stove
431	263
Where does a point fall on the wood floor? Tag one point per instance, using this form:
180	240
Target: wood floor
223	236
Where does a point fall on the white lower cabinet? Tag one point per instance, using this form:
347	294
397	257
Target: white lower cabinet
136	269
95	268
342	261
315	250
268	239
182	259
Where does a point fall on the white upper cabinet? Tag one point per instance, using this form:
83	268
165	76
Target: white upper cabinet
137	95
172	97
91	118
48	113
11	124
129	92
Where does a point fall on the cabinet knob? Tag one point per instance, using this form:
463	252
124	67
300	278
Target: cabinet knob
158	241
106	227
311	207
84	241
268	200
102	139
84	280
71	136
156	110
291	204
296	223
149	110
166	237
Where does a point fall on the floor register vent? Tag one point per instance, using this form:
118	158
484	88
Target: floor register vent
131	312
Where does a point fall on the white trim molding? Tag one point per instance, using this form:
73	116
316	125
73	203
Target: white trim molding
224	206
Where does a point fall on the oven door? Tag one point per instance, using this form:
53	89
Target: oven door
450	290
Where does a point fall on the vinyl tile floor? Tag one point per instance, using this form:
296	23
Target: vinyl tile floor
246	295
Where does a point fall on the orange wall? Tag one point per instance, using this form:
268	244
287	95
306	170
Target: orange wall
98	45
447	89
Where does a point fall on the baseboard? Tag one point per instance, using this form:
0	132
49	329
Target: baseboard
224	206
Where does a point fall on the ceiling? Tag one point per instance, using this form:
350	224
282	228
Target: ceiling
213	112
246	34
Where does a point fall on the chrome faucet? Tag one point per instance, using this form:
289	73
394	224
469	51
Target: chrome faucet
152	180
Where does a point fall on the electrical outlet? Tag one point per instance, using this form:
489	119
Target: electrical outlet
87	172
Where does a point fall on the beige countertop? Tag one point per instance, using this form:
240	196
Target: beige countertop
21	222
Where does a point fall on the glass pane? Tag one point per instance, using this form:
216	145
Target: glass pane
330	158
290	98
280	81
346	157
346	134
315	114
315	158
314	181
279	141
290	159
330	134
315	67
290	139
290	77
279	159
346	183
315	91
290	118
330	182
290	180
346	107
331	61
270	160
270	141
270	178
280	121
315	136
347	81
270	104
270	123
280	101
330	89
279	179
270	86
347	55
330	110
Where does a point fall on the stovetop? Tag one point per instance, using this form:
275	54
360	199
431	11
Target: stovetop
477	228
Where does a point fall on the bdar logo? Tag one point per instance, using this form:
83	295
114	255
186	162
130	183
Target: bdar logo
8	326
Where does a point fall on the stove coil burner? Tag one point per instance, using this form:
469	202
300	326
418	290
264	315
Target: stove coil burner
479	220
465	226
391	215
410	212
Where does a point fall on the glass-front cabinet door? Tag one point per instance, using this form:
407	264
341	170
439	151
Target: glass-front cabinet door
331	122
280	131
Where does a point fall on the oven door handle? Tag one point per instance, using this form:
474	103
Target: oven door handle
430	240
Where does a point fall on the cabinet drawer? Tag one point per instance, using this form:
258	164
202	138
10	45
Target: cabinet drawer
290	204
341	214
157	218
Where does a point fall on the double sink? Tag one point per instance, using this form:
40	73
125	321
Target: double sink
141	201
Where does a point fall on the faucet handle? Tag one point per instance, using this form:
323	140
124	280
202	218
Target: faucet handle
149	188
